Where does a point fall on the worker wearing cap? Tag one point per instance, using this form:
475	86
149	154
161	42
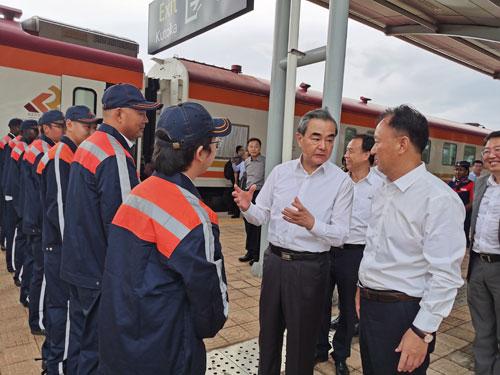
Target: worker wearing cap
53	170
23	260
465	190
102	174
164	286
8	220
51	126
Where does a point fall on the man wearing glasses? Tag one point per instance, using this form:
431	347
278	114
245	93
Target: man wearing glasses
483	292
307	203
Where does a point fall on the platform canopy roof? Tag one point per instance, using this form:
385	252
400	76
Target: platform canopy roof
464	31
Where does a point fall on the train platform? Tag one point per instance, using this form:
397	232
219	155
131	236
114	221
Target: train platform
234	350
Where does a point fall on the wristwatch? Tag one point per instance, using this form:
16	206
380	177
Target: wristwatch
427	337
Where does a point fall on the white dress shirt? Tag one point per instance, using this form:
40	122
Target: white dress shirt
364	191
415	244
486	235
326	193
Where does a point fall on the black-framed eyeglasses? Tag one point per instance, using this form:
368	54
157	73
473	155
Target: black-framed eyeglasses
216	142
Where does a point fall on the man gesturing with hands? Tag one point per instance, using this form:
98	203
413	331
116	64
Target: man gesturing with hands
307	203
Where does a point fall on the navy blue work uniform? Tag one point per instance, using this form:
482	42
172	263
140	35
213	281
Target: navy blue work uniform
164	285
3	143
53	170
32	228
102	174
9	214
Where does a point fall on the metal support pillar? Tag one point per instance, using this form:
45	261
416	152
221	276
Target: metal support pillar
291	78
276	105
335	61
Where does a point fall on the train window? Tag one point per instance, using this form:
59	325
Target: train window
85	96
449	154
426	154
238	136
350	133
470	153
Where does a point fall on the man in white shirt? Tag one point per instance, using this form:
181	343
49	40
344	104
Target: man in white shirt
483	291
477	168
415	243
307	203
345	259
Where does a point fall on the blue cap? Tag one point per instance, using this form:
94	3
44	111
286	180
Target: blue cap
189	122
81	113
29	124
123	95
51	116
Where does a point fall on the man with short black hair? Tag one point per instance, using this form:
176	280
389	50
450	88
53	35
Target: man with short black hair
464	187
483	290
477	168
410	271
164	286
255	166
53	170
345	258
102	174
307	203
8	219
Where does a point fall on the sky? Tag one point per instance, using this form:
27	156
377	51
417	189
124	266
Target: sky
388	70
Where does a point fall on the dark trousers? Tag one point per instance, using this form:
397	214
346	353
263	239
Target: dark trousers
76	328
381	327
23	259
292	297
9	228
57	310
344	274
483	296
88	358
467	223
37	286
252	244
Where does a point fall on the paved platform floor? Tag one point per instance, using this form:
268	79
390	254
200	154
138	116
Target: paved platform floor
235	346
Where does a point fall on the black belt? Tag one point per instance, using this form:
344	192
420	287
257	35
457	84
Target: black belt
351	246
386	296
287	254
489	258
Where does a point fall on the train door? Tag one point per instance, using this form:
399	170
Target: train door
82	91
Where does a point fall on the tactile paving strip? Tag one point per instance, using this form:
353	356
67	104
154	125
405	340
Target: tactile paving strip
239	359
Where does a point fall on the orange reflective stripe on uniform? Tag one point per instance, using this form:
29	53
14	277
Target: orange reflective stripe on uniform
42	163
18	150
151	218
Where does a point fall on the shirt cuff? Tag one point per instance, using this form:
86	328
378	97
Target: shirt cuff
318	228
426	321
250	213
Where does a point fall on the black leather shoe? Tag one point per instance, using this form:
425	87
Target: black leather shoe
37	332
319	358
17	282
334	324
341	368
245	258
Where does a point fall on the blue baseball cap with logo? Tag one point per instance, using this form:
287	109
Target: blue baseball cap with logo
29	124
81	113
52	116
124	95
189	122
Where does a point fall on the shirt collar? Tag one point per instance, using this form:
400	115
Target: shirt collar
299	167
66	140
44	138
404	182
491	181
126	143
180	179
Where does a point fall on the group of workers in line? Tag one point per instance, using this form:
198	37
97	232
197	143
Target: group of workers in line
127	277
